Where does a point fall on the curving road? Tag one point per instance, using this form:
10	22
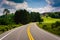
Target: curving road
28	32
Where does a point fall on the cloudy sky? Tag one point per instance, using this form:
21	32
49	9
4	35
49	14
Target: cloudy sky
30	5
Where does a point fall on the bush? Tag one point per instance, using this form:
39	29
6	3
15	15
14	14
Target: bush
55	25
44	27
4	28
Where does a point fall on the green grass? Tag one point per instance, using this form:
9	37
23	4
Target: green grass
4	28
46	25
49	20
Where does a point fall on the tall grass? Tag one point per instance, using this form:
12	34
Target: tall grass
4	28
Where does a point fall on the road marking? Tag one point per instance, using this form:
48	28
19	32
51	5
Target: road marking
9	33
29	33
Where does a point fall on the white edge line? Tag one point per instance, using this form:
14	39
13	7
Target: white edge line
51	34
9	33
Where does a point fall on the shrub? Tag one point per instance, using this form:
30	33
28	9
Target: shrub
44	27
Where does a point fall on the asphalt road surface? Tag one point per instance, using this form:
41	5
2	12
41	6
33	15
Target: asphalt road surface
28	32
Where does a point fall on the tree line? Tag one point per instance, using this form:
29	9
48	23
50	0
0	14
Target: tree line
53	14
19	17
24	17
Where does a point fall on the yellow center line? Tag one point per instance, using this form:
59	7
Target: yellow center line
29	33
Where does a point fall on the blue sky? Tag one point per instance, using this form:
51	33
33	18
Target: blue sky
31	5
56	3
17	1
36	3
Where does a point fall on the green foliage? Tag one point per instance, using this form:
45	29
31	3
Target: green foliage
24	17
53	14
50	24
35	17
45	27
4	28
49	19
55	25
51	27
9	21
6	19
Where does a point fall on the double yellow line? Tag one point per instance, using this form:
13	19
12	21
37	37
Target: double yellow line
29	33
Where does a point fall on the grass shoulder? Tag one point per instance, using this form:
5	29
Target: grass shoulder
4	28
49	28
51	25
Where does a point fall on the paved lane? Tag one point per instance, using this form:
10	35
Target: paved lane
28	32
17	34
40	34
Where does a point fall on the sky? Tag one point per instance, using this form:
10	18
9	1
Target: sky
40	6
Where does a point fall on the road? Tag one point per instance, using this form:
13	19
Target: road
28	32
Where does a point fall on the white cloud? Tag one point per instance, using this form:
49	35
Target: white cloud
1	11
23	5
50	1
2	3
47	8
17	6
52	7
56	9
